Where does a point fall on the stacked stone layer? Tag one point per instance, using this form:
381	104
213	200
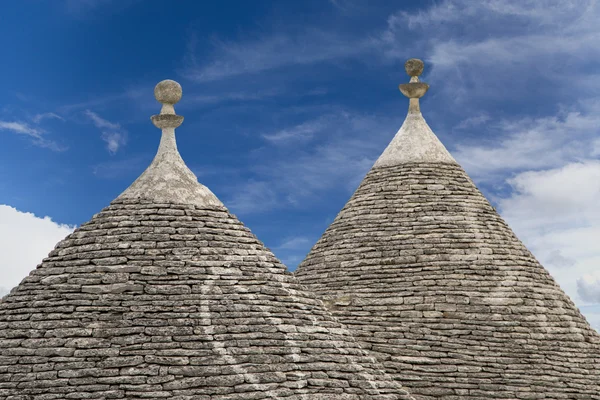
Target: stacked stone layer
178	302
433	282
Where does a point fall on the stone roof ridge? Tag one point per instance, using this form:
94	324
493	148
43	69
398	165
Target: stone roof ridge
168	179
415	141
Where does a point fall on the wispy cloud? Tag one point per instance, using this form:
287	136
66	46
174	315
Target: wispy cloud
270	52
301	132
114	140
139	95
294	176
292	250
545	12
194	100
475	47
48	115
36	134
253	196
142	98
112	133
471	122
339	4
100	122
295	243
22	128
532	143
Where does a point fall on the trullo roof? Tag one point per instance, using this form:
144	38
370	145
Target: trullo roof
435	284
165	294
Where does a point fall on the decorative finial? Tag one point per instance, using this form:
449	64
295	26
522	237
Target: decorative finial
414	67
168	179
415	89
167	93
415	142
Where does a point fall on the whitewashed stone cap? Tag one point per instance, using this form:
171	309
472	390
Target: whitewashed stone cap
168	179
415	141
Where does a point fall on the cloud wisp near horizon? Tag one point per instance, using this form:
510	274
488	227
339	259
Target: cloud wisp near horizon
287	107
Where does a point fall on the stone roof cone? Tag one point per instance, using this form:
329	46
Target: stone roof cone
165	294
435	284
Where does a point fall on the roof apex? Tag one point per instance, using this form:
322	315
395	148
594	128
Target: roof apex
415	141
168	179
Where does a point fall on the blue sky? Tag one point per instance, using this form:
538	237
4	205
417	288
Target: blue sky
287	105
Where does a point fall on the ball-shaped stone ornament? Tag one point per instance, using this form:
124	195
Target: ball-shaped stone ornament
414	67
168	92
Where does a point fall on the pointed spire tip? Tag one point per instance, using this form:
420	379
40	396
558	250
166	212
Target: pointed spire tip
415	89
168	179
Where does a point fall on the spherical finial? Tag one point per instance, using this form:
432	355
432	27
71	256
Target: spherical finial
168	92
414	67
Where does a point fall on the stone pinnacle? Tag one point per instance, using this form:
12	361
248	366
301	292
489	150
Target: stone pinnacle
415	89
167	93
168	179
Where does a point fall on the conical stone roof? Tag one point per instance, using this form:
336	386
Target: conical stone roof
165	294
435	284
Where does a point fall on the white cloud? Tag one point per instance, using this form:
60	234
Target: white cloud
549	13
555	212
101	123
113	140
22	128
533	143
35	134
49	115
588	287
112	133
24	241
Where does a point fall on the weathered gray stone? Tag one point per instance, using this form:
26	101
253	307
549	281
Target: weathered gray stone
434	283
165	294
